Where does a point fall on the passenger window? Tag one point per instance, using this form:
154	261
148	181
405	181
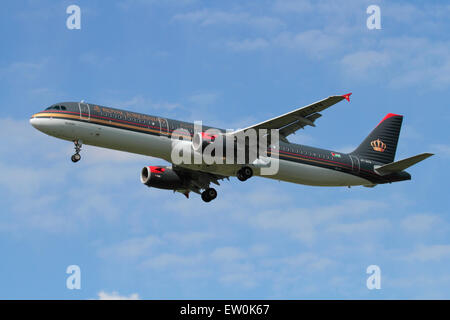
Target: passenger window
57	108
63	108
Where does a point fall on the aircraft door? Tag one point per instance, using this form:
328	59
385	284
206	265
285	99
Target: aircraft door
355	164
85	112
164	127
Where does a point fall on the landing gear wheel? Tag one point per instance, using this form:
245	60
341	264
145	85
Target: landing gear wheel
204	197
241	176
248	172
244	173
209	194
76	157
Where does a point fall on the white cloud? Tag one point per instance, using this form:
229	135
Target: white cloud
244	276
259	197
170	260
293	6
208	17
418	60
361	63
248	44
24	180
94	59
203	99
421	223
36	168
401	61
189	238
425	253
129	4
143	103
308	260
305	223
412	133
97	155
228	254
365	228
316	43
24	69
441	150
102	295
132	248
410	14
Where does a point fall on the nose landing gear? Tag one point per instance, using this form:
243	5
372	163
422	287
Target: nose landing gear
77	157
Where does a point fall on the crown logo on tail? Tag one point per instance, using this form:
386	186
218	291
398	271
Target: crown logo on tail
378	145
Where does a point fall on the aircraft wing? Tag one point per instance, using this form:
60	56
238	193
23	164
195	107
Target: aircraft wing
290	122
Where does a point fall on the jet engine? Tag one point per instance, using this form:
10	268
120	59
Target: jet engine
201	139
161	178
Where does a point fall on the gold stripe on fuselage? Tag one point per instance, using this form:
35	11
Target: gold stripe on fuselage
93	119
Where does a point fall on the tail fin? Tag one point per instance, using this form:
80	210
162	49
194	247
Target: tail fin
381	144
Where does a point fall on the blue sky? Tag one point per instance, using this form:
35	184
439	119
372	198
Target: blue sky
230	64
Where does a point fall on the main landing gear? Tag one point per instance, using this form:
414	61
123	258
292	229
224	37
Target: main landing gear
77	157
209	194
244	173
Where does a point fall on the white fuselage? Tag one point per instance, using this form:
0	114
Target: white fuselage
161	146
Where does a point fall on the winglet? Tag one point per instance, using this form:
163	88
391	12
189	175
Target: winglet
347	96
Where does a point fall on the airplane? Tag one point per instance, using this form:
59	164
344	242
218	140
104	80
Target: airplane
370	164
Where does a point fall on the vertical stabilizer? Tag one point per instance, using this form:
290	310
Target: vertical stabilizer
381	144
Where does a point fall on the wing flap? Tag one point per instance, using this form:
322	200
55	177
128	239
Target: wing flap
299	124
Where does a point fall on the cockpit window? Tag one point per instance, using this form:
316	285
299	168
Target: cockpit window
57	108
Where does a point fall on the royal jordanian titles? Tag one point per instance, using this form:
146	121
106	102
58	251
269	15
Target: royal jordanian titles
370	164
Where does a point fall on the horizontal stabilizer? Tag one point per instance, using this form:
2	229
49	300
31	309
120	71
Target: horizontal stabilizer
401	165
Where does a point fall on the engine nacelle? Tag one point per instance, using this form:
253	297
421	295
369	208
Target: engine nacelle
201	139
161	178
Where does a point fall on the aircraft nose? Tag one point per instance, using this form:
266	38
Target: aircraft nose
34	122
37	123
